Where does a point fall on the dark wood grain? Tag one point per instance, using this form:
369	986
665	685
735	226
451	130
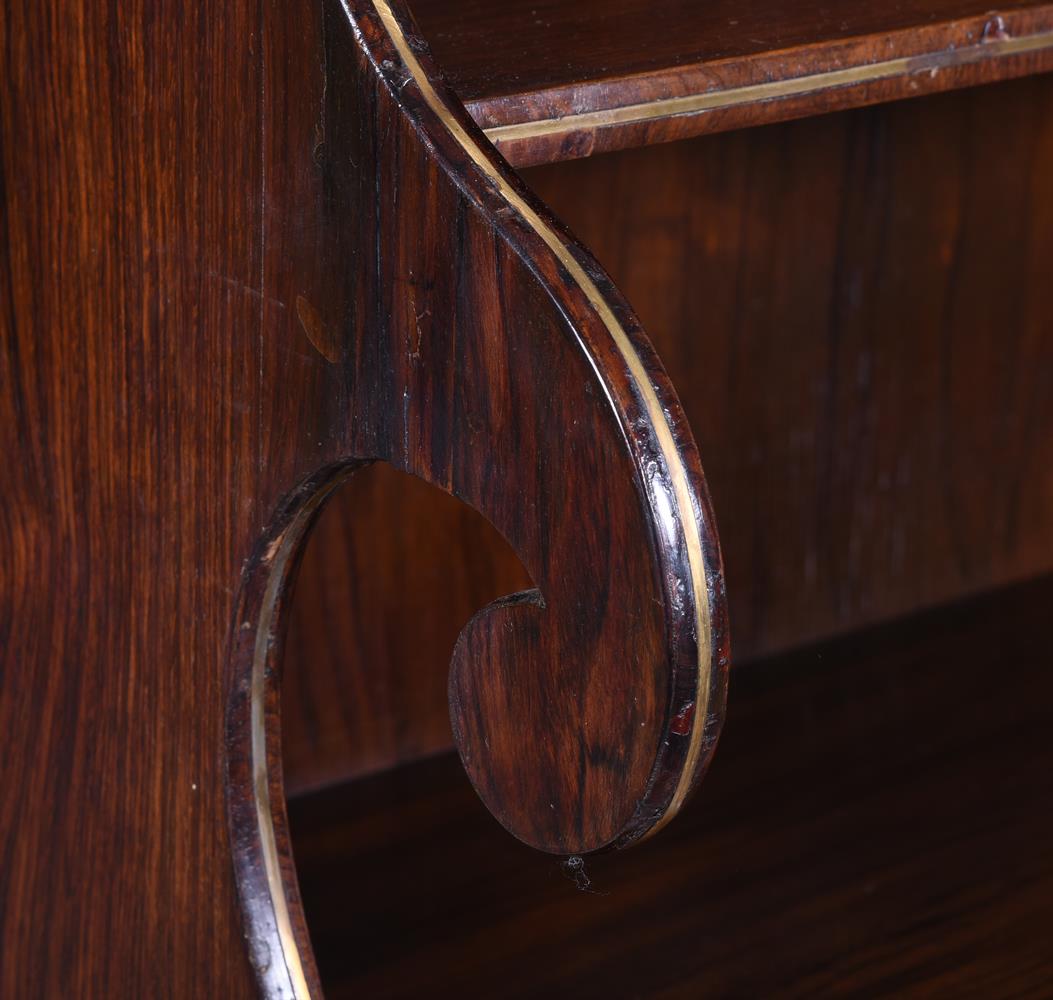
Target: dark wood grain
552	81
446	333
243	257
857	315
877	823
130	320
466	339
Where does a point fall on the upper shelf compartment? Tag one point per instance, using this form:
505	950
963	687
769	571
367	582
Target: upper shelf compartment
551	80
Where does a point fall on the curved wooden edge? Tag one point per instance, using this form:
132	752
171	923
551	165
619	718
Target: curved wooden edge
477	346
278	943
670	475
594	116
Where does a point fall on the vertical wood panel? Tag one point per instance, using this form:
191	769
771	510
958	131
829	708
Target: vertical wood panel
130	324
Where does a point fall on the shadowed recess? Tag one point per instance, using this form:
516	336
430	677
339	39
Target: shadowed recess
391	572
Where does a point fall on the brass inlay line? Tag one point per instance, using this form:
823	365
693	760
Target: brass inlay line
713	100
660	421
286	546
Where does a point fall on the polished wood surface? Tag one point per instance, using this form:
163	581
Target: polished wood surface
877	823
552	81
857	315
243	258
468	340
131	247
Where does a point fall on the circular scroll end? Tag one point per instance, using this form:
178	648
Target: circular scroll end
562	745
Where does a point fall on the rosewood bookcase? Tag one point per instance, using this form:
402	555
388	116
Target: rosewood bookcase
363	596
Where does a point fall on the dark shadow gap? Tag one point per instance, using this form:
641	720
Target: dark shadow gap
393	569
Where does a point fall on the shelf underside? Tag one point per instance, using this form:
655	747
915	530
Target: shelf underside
878	820
550	80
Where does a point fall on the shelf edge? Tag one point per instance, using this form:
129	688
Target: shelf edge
582	119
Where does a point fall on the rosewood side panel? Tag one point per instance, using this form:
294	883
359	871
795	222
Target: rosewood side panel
241	266
131	490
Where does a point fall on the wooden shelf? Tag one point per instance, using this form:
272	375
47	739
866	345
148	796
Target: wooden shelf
549	80
878	820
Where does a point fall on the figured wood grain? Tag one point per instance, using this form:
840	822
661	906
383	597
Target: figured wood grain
243	258
467	339
130	325
857	316
552	81
876	823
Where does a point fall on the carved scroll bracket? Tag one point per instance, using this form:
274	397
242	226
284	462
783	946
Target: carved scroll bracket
472	342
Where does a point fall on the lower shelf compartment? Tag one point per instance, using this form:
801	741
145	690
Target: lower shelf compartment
878	820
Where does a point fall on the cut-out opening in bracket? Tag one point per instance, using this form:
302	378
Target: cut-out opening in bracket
408	537
392	570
